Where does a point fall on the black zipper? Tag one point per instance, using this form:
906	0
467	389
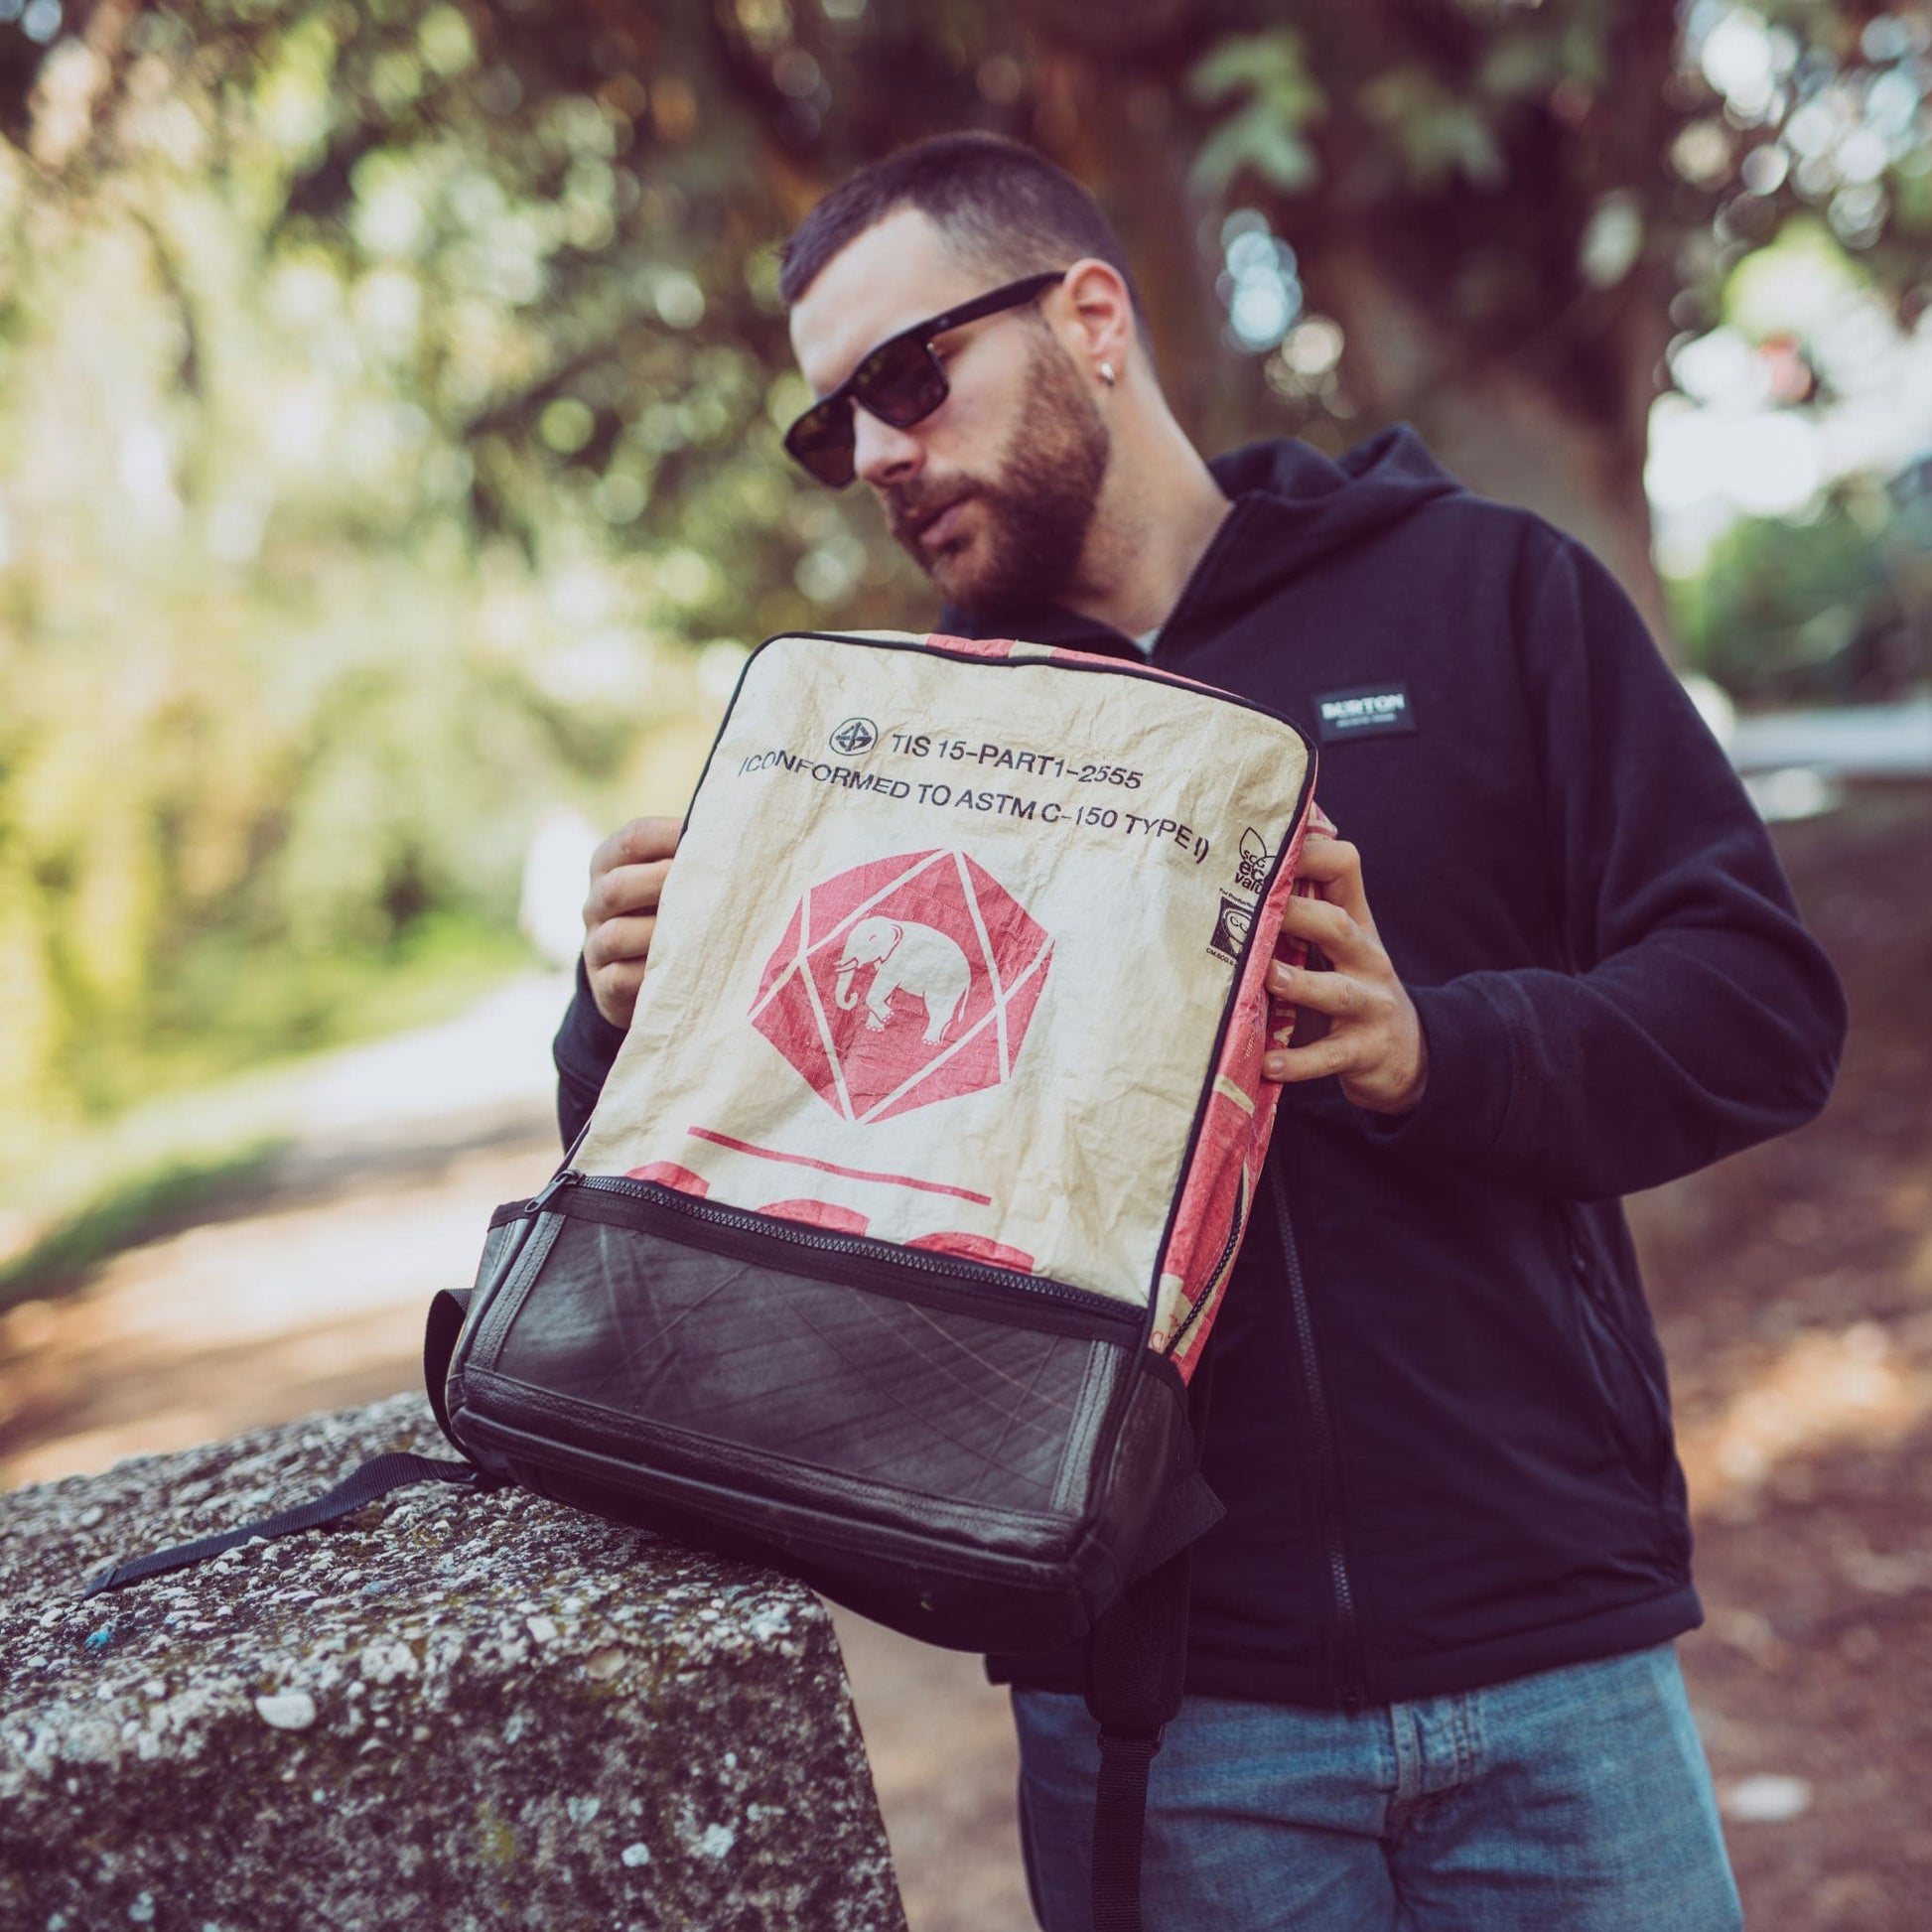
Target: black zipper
1236	1224
566	1177
952	1268
1326	1474
1655	1455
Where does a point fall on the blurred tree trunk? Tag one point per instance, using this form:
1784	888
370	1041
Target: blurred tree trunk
1121	137
1547	406
1512	427
1461	294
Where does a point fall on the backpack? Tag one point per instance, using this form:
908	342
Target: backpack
889	1251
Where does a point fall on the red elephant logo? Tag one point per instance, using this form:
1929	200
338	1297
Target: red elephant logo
901	982
906	958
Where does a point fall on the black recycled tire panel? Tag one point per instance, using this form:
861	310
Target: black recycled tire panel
886	1392
994	1605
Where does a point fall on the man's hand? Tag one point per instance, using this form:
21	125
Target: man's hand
1374	1041
628	873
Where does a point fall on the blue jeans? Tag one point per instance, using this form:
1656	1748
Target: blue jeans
1577	1800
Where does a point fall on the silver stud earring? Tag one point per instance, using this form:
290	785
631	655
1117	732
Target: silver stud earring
1107	374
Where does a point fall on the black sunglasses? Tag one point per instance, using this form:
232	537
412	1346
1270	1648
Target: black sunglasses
901	382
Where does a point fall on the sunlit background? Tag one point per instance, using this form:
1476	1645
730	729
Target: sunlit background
390	489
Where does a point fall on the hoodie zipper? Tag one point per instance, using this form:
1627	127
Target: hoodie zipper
1222	1262
1349	1673
772	1227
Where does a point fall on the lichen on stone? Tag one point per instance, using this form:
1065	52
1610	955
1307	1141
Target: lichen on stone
362	1727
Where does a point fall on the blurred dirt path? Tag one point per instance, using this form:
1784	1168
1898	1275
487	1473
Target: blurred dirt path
305	1291
308	1294
300	1285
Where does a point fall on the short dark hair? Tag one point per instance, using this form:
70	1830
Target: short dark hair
1000	206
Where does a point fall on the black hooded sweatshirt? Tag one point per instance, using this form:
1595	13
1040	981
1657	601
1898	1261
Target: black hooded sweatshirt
1439	1420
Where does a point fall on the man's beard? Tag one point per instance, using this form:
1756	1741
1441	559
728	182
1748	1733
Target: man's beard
1034	511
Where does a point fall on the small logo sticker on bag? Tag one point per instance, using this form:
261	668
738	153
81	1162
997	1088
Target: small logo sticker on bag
1366	711
1231	930
1251	869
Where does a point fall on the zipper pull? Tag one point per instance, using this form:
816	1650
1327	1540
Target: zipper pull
553	1187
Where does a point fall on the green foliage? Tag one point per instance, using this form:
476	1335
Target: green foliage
387	408
1831	609
1264	78
143	1206
1800	279
1460	155
1538	186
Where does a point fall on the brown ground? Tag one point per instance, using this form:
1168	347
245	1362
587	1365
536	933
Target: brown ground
1793	1286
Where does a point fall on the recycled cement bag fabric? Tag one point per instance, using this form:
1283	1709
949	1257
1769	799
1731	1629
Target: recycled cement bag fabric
899	1222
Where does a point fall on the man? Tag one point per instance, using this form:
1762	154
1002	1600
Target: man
1430	1681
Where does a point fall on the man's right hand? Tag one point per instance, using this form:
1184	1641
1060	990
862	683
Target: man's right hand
628	873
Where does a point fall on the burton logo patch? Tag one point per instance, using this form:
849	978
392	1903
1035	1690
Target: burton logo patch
1367	711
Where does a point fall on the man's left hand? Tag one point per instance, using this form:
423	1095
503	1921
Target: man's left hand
1374	1041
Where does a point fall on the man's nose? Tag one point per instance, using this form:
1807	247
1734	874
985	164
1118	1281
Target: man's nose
882	455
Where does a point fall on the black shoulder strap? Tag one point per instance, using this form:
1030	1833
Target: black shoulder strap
1137	1665
442	1328
1136	1674
373	1480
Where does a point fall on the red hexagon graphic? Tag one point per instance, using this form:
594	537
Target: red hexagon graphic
901	982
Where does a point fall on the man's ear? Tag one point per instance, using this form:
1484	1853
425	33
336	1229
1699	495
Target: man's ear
1095	314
